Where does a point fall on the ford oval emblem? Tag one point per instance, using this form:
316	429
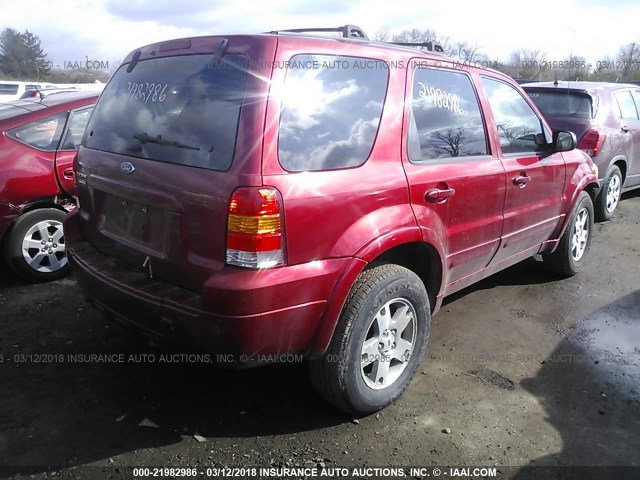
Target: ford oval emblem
127	167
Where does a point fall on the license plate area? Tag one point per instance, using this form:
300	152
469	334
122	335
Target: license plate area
130	220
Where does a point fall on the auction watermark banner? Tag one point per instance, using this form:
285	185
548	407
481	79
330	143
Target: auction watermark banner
330	472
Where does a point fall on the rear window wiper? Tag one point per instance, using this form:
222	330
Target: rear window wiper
146	138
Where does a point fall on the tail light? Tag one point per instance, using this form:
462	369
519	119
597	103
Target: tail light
255	237
592	142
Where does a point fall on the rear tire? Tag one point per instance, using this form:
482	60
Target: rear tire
378	344
609	195
569	257
35	248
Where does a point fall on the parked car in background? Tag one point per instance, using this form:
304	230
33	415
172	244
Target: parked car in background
264	195
40	93
14	90
605	118
38	141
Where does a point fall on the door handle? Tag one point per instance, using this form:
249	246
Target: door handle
439	195
68	174
624	128
522	180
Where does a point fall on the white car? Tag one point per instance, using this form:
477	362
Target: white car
12	90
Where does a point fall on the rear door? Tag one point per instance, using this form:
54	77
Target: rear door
67	152
535	179
457	185
629	104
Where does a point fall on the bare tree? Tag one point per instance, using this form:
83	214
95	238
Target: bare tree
449	142
527	64
628	62
467	52
382	36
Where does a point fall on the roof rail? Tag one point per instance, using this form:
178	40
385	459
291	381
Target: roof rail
430	46
347	31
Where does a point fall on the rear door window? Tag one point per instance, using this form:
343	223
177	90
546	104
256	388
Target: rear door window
183	110
75	128
627	105
330	111
636	98
446	120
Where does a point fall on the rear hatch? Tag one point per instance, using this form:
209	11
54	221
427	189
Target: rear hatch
565	109
176	130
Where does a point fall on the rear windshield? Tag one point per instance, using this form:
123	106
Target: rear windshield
563	103
181	110
8	89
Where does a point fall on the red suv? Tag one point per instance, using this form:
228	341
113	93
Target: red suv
280	193
38	141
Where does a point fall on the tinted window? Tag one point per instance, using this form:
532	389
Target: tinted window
446	117
75	129
563	103
182	110
8	89
627	105
43	134
517	123
331	109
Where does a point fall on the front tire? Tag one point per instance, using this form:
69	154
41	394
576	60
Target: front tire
609	195
569	257
378	344
35	248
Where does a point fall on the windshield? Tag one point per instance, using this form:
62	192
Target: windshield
182	110
563	103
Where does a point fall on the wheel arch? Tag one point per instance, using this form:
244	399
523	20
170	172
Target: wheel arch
621	162
48	202
404	248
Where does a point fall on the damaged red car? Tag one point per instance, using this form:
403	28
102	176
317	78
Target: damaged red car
38	141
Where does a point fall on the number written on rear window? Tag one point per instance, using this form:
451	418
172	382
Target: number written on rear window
147	92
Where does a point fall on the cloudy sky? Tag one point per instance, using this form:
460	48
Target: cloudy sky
107	30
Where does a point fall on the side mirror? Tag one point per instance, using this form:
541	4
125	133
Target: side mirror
563	141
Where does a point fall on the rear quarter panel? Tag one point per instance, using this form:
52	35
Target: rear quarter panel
580	176
337	213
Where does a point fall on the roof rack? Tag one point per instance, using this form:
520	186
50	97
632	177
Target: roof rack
430	46
347	31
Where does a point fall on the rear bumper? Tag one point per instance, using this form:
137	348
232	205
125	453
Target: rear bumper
241	312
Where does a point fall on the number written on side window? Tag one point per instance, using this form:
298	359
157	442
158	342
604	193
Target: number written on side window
446	120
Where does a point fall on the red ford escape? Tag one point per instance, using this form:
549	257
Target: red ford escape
283	193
